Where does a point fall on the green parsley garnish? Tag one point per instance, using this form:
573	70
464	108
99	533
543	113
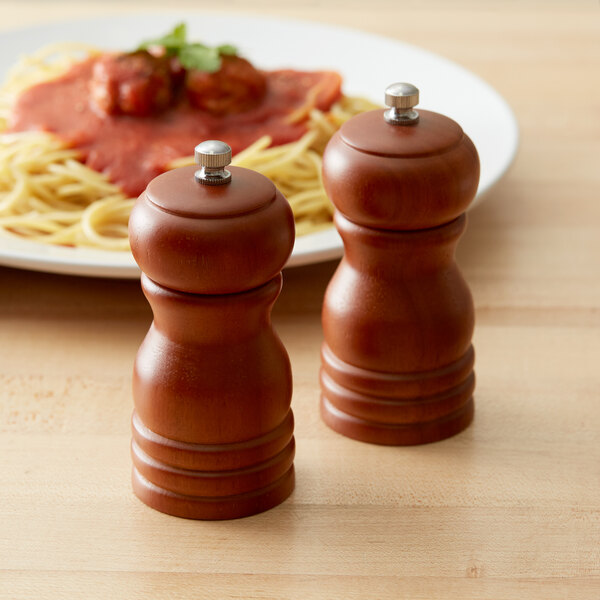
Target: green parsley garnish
191	55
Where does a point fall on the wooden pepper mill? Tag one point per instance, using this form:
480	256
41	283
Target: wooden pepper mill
212	384
397	360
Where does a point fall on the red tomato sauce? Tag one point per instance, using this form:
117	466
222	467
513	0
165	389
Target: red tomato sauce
132	150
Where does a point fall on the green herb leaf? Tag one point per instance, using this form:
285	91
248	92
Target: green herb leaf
192	56
198	56
227	50
172	41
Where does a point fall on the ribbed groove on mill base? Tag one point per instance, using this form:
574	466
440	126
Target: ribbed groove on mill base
213	484
397	385
212	457
213	481
228	507
395	408
396	435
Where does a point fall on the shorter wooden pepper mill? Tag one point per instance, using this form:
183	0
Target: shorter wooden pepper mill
212	384
397	360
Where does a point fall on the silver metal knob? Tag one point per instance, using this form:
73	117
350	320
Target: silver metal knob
401	98
212	156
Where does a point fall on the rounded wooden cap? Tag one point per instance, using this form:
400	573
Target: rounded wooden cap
211	239
393	176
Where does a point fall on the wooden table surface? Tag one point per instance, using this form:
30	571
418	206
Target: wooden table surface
508	509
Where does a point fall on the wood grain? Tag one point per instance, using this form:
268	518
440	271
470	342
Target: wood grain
508	509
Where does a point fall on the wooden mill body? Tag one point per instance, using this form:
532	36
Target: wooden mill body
397	359
212	384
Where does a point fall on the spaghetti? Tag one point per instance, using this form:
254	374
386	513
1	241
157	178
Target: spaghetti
48	195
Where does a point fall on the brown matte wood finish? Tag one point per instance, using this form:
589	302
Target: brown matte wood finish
397	359
212	383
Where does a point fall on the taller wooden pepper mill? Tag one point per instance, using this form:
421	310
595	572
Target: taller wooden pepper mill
212	385
397	360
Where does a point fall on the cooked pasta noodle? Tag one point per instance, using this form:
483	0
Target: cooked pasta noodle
47	195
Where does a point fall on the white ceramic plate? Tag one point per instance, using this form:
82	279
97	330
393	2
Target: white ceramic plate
368	63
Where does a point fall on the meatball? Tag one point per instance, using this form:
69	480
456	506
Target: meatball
136	83
235	87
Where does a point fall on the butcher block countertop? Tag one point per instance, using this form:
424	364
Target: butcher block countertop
508	509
